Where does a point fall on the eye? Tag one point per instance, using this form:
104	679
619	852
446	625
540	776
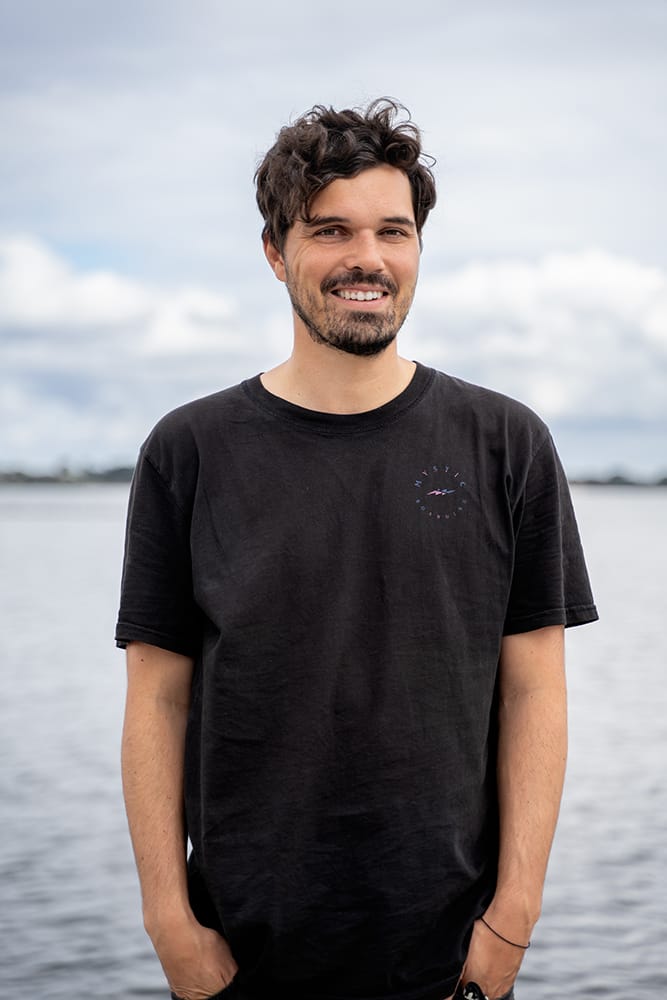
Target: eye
395	234
329	231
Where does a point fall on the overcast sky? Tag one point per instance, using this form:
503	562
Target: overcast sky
131	271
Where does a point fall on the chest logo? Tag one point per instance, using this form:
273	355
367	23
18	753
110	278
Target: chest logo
441	492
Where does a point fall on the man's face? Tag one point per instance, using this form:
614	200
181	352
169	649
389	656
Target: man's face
351	270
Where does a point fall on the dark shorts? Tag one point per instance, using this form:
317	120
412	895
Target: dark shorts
232	992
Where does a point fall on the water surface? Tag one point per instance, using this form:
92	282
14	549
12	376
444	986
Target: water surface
70	924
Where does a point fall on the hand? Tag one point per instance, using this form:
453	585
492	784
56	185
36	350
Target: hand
491	963
197	961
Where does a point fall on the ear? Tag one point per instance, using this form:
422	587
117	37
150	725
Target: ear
275	259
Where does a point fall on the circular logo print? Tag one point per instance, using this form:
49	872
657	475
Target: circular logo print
441	492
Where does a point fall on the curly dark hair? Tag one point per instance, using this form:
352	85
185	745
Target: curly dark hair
323	145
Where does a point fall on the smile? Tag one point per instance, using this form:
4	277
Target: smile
345	293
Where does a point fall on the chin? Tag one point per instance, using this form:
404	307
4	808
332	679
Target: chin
362	336
364	349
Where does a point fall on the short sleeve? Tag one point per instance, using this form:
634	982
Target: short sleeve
157	604
550	584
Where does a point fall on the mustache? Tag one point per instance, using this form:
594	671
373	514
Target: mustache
359	277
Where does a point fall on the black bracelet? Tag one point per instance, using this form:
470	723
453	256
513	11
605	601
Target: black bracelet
524	947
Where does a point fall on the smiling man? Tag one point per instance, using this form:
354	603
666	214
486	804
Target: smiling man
354	231
345	588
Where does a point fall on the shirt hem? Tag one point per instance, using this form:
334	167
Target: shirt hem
580	614
135	633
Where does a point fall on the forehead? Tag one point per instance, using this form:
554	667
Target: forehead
381	192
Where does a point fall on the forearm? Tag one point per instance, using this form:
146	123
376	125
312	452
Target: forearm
197	961
531	765
152	766
532	752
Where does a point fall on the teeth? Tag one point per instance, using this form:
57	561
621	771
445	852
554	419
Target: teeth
359	296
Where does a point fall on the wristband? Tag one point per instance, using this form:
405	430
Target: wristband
524	947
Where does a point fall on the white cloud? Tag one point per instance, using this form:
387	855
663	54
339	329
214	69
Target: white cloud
189	322
39	289
92	359
140	136
47	307
580	335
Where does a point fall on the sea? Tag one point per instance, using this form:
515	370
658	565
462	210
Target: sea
70	923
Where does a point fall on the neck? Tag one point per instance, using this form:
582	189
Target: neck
332	381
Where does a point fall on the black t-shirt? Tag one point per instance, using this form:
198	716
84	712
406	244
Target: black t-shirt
343	583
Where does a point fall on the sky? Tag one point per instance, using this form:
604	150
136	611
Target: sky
132	276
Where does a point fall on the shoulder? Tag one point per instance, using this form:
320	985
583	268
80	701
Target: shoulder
481	399
179	440
489	413
198	415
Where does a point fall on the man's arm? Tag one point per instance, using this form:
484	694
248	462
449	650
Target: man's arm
196	960
532	749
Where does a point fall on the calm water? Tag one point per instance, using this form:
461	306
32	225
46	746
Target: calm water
69	914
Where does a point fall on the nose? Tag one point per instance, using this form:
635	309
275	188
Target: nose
364	253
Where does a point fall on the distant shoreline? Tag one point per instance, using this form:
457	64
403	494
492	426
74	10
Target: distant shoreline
118	474
123	474
617	480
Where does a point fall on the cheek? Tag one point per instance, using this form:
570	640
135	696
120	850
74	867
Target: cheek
406	269
407	280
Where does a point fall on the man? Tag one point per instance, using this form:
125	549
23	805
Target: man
344	593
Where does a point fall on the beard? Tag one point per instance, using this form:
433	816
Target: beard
362	333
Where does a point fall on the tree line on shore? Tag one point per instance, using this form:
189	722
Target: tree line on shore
123	474
117	474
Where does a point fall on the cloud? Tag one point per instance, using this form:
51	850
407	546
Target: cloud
577	336
38	289
93	358
139	133
46	303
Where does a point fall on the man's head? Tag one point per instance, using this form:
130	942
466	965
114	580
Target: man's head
324	145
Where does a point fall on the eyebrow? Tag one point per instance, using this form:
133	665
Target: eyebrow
328	220
401	220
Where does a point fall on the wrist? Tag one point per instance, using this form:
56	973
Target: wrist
501	937
166	917
513	915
